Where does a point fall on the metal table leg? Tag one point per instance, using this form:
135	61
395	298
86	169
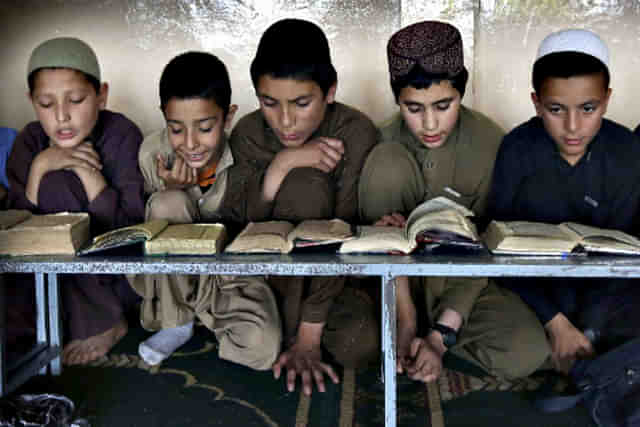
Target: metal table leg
3	339
55	338
389	348
42	337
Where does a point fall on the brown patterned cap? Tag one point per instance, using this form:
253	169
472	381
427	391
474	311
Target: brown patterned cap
436	46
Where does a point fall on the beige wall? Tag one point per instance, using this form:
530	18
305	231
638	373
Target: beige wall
134	39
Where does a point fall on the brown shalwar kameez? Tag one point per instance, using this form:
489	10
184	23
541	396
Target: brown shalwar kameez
307	193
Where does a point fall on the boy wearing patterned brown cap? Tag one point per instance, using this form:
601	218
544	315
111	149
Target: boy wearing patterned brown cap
437	147
79	157
300	157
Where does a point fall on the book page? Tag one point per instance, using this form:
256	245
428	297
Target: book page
450	223
378	239
311	232
188	239
11	217
263	237
530	238
125	235
604	240
437	204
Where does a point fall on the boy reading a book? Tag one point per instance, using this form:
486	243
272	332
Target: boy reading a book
186	170
79	157
301	155
568	163
437	147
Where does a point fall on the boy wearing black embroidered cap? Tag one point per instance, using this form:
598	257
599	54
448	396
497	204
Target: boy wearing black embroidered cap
300	156
437	147
570	164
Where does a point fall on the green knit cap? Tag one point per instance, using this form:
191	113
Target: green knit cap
65	52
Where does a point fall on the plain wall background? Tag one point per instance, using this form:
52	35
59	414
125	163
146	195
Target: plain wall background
134	39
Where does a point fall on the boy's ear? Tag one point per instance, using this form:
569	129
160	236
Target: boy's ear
232	111
606	100
103	95
536	103
331	93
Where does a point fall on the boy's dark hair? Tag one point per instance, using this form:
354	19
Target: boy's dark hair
31	79
567	64
295	49
418	78
196	75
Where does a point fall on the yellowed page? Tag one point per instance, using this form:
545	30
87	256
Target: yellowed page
531	238
595	239
378	239
263	237
188	239
321	231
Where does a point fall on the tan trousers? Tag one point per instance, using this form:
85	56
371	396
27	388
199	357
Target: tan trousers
502	335
241	311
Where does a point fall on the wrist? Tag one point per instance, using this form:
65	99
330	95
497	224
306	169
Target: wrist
446	335
436	340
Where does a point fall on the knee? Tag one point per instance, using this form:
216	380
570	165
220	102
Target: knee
314	187
528	350
62	190
174	206
351	334
255	346
381	192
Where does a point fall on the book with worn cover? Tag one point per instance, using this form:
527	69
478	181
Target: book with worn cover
24	233
436	222
160	238
536	238
283	236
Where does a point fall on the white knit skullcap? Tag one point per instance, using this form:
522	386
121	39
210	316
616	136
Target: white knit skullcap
575	40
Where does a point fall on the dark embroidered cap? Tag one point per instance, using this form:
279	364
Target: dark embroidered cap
436	46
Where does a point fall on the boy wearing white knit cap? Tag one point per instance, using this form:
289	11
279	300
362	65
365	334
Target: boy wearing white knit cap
570	164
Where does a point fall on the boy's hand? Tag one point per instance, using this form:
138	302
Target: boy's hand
426	354
394	220
320	153
179	176
82	159
567	343
58	158
304	358
306	362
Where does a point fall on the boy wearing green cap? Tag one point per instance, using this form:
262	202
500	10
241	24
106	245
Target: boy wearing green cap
438	147
79	157
299	157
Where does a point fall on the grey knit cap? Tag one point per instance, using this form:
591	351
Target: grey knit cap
65	52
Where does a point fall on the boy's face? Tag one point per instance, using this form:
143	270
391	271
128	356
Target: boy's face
294	109
572	110
66	105
432	113
196	129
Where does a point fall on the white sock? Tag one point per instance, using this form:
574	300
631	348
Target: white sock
163	343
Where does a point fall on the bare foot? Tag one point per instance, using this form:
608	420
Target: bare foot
406	333
81	352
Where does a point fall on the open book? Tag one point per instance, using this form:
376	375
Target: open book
23	233
283	236
536	238
160	238
436	222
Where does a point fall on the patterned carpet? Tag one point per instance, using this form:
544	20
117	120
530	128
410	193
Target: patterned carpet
195	388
